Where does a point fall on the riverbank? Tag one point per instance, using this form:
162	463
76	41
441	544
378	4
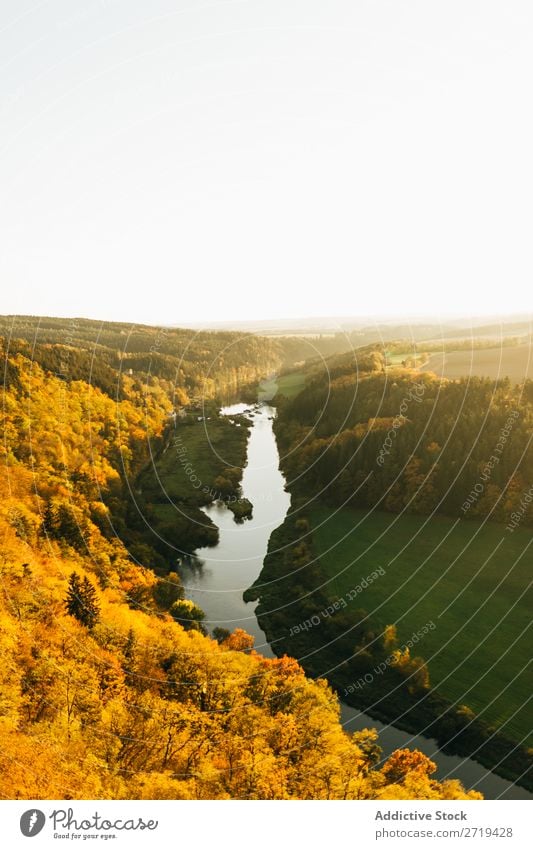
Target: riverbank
201	461
358	657
217	577
469	577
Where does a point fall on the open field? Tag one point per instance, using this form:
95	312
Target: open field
514	362
196	453
403	357
466	578
291	384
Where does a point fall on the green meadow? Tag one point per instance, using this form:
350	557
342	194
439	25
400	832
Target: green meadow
291	384
470	580
196	452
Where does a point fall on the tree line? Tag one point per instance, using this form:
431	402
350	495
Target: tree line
406	441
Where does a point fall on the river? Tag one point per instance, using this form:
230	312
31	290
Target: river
217	577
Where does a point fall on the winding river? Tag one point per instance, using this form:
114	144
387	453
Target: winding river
217	578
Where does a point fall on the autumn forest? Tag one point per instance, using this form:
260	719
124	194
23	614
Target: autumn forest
111	685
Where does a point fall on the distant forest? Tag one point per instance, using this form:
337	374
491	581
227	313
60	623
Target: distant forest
397	439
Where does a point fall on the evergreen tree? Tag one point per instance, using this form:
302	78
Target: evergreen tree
48	520
82	601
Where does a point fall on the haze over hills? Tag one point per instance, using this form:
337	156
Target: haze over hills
384	326
372	328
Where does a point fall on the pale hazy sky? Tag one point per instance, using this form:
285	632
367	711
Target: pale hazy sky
179	161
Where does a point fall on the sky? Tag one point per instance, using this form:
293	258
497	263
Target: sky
171	162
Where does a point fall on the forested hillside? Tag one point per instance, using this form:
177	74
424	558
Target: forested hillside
400	440
104	694
188	364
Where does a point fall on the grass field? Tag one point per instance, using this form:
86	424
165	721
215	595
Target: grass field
449	573
291	384
395	360
197	452
514	362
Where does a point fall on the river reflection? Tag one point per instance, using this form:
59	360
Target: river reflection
217	577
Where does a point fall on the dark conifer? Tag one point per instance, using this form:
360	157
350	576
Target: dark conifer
82	601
